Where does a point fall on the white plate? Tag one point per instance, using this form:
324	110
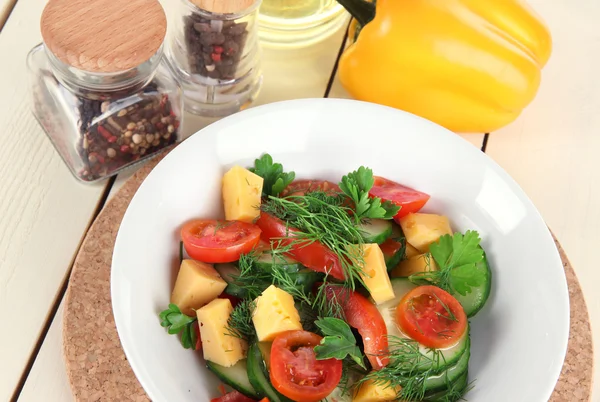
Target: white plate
519	339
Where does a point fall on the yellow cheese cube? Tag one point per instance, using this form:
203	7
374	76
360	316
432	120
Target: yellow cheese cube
420	263
411	251
218	345
371	392
197	284
375	274
423	229
274	313
242	190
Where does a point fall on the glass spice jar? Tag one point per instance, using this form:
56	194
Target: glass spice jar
100	87
213	51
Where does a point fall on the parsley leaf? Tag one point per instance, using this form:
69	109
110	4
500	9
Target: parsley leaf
176	322
275	180
339	341
459	258
356	185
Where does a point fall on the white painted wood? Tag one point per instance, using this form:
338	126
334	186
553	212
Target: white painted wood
5	8
48	379
44	211
288	74
338	91
553	149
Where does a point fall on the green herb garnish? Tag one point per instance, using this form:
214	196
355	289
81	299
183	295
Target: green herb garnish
458	258
321	217
275	180
240	323
176	322
407	369
356	185
339	341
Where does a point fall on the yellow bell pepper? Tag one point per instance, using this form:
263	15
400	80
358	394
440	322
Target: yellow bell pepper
468	65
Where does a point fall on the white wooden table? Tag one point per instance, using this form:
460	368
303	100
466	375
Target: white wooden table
44	212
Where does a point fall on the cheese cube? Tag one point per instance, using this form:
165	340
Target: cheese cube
218	345
423	229
411	251
371	392
242	190
420	263
375	274
274	313
197	283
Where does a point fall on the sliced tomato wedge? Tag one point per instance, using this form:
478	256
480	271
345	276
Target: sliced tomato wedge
234	300
301	187
214	241
198	339
408	199
432	317
361	314
295	371
315	255
233	396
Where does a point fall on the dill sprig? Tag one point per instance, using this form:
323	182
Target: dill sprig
251	279
322	217
408	368
240	323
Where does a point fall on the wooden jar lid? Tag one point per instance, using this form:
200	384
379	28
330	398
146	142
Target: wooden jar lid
223	6
103	36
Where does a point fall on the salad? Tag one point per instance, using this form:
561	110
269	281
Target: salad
311	290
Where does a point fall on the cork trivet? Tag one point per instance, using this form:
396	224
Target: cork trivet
98	369
223	6
103	36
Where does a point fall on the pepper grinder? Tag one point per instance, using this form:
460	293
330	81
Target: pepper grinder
213	51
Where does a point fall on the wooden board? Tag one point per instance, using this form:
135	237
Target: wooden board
97	367
552	149
48	376
44	211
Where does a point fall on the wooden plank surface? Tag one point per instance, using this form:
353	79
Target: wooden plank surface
5	9
48	377
44	211
552	150
288	74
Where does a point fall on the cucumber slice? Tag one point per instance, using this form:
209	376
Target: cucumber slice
266	261
393	252
474	301
235	376
375	230
306	278
259	377
227	272
449	356
451	374
456	392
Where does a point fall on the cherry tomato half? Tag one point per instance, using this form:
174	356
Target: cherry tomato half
408	199
213	241
361	314
315	255
301	187
432	317
295	370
